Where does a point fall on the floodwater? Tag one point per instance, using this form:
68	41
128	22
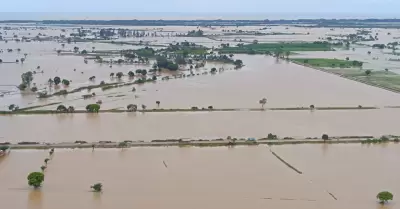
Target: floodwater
239	177
283	84
354	173
138	178
200	125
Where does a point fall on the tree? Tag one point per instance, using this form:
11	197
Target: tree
347	58
43	167
4	148
384	196
368	72
213	70
172	66
387	70
122	145
238	63
22	86
325	137
76	49
154	78
65	82
27	77
112	75
144	107
131	74
71	109
119	75
131	108
35	179
231	55
144	72
57	80
22	60
93	108
46	161
263	102
287	53
97	187
158	103
62	108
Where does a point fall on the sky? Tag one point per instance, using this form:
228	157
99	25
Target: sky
201	9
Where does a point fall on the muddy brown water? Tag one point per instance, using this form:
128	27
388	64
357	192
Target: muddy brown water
282	84
203	178
151	126
354	173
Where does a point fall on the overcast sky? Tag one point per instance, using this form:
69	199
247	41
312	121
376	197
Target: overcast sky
189	9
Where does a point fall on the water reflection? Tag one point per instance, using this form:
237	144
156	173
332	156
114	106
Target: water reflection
35	199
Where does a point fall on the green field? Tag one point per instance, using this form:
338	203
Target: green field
331	63
265	48
192	51
349	69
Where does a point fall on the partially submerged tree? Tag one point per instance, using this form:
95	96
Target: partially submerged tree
123	145
93	108
368	72
57	80
384	197
325	137
65	82
43	167
62	108
158	103
97	187
263	102
132	108
35	179
119	75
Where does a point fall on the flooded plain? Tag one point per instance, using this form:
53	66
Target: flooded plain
283	84
222	177
354	173
200	125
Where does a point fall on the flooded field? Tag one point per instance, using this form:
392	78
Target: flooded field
353	173
152	126
283	84
203	177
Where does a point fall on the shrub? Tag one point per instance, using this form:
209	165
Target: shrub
384	196
35	179
272	136
97	187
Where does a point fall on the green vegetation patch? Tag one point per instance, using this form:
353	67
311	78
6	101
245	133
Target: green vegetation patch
353	70
265	48
331	63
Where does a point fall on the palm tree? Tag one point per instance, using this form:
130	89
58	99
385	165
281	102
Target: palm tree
158	103
263	102
143	107
43	167
46	161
